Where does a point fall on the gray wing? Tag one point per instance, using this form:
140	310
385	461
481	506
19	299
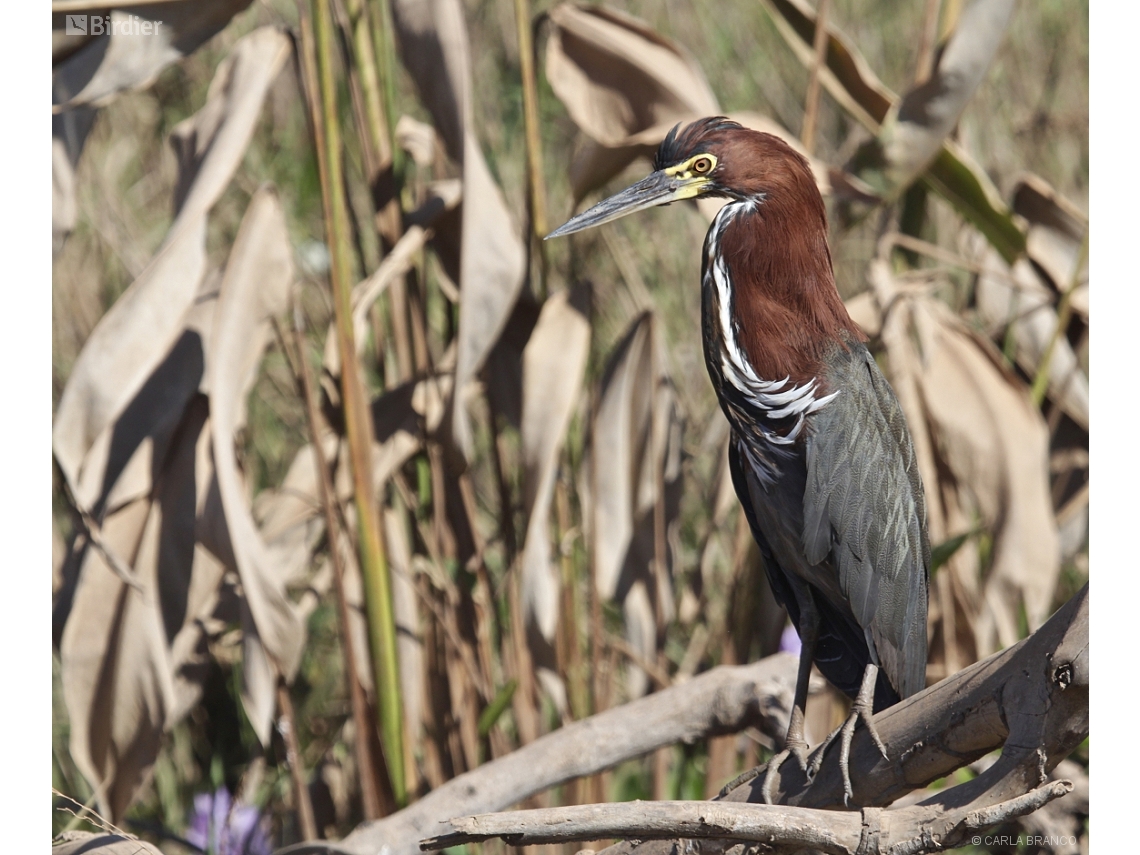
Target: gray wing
864	510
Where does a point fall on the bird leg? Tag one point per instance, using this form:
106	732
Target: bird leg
863	708
796	744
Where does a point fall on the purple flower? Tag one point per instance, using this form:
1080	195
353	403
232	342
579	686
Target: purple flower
790	640
220	830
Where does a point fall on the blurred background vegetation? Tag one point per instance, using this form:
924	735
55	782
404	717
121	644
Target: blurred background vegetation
483	683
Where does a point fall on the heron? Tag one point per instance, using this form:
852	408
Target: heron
820	455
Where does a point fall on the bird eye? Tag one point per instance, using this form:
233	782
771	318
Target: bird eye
702	165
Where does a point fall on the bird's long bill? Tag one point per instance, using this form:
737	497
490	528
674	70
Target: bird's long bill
658	188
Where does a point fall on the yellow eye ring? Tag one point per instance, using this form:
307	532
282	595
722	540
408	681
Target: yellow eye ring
702	165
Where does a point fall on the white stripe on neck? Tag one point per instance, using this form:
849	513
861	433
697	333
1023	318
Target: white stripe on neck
776	399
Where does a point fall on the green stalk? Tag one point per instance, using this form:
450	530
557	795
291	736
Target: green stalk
376	56
376	119
357	417
385	53
1064	311
530	117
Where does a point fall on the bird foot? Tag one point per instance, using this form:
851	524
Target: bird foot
794	746
862	709
798	749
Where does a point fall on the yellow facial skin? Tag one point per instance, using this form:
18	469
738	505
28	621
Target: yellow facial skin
684	181
694	175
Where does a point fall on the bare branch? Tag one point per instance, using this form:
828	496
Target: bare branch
924	828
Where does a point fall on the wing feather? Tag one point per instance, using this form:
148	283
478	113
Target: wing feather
863	499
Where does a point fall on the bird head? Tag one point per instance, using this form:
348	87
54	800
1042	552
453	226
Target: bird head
710	157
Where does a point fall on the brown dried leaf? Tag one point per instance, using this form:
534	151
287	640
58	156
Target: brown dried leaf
848	78
189	575
150	466
913	134
68	134
997	444
131	344
1056	229
554	362
634	452
618	77
118	669
129	56
618	437
1016	296
290	518
211	610
255	287
402	418
435	50
659	480
864	310
137	334
982	447
623	84
418	139
64	210
641	633
292	522
492	269
116	687
443	197
502	373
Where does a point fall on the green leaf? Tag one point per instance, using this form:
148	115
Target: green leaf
497	707
944	551
967	187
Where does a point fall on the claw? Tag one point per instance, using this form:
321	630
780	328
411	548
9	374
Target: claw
817	757
863	708
799	751
795	745
742	778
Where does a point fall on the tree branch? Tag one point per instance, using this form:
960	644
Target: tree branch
779	827
723	700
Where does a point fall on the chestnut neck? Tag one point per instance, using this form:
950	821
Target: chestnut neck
787	310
